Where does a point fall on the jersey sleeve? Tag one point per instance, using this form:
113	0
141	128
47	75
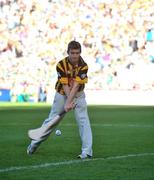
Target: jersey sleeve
62	77
82	77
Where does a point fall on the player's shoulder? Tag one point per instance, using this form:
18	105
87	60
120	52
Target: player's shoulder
83	63
63	60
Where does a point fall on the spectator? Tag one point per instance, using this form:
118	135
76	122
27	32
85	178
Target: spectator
38	31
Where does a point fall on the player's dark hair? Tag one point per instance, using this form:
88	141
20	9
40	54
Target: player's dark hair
74	45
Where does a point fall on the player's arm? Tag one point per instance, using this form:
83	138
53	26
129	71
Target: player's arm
81	78
66	89
69	103
62	76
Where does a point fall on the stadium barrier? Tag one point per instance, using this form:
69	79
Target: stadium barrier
4	95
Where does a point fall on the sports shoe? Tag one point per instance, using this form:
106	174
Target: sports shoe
84	156
31	149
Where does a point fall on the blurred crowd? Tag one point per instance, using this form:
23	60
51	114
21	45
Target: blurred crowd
117	38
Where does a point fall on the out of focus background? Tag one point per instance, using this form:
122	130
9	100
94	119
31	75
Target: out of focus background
117	38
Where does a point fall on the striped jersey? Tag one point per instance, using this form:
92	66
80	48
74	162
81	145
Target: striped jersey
68	73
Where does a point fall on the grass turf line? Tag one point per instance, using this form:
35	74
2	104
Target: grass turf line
108	141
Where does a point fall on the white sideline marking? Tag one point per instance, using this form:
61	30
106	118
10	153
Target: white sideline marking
115	125
95	124
53	164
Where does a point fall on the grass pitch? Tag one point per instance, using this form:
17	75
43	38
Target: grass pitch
123	144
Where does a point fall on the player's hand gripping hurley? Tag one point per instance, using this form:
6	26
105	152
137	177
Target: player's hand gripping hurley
41	133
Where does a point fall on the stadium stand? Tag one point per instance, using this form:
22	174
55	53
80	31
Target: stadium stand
117	38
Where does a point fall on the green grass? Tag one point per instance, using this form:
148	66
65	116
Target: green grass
117	131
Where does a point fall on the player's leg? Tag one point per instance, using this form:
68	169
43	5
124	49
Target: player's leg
57	108
82	119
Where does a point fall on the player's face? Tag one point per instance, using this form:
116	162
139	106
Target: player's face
74	55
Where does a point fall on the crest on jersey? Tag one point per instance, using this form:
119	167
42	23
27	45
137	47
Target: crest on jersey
59	75
83	76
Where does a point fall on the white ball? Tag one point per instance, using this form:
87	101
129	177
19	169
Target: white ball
58	132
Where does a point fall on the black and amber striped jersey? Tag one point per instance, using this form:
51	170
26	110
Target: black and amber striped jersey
68	73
